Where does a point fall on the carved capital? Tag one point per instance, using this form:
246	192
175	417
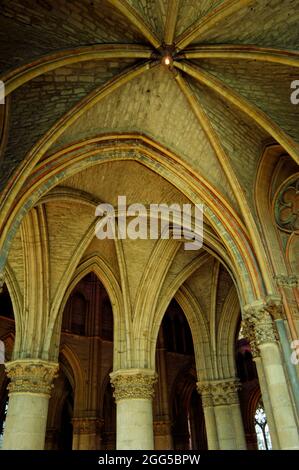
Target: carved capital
219	392
204	389
284	280
225	392
258	316
87	425
274	306
133	383
31	376
249	334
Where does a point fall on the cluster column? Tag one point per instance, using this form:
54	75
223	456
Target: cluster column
263	336
29	392
223	418
204	389
133	392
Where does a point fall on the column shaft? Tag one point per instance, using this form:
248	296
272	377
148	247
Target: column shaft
267	403
133	392
279	396
211	427
30	387
264	338
225	429
239	427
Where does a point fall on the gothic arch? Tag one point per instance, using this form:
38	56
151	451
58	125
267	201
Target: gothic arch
75	375
104	272
226	223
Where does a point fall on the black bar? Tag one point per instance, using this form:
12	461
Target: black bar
144	459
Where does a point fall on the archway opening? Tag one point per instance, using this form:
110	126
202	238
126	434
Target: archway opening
7	334
178	413
87	358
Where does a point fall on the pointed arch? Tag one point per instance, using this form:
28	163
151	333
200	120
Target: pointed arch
66	162
78	379
101	268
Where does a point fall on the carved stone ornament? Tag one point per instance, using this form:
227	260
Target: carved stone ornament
31	376
219	392
249	333
287	207
258	316
204	389
87	425
287	281
133	383
225	392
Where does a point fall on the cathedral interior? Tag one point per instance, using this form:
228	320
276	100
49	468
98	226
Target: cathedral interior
121	343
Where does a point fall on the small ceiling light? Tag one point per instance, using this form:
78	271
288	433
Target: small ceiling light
167	60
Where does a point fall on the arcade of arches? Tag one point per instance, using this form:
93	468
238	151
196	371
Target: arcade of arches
141	344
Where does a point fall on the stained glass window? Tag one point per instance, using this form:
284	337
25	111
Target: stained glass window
262	429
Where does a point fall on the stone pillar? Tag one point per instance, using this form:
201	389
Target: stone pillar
162	435
29	392
133	392
233	399
204	389
51	440
258	316
248	331
87	433
229	422
162	425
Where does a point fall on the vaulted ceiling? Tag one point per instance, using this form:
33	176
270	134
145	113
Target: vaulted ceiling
222	97
94	89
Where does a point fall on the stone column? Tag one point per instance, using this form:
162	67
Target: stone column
258	316
248	331
29	392
233	398
51	439
230	428
133	392
162	435
204	389
87	433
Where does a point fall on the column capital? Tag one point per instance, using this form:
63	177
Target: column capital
31	376
133	383
249	333
87	425
225	392
258	319
204	389
219	392
285	280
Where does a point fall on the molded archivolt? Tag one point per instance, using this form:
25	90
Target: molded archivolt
160	165
122	323
75	374
125	106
